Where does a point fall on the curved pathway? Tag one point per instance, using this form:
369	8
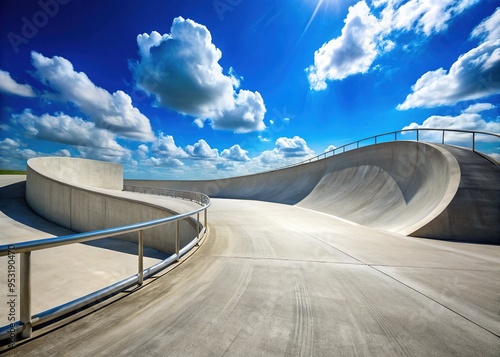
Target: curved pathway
281	280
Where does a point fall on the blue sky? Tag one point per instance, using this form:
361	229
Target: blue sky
206	89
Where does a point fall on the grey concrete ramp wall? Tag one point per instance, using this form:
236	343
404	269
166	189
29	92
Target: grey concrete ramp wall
403	187
65	191
474	212
84	172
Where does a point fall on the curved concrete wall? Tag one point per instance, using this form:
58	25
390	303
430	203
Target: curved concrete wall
81	172
404	187
75	194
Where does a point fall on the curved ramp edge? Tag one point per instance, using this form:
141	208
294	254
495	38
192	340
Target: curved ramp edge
473	215
85	195
404	187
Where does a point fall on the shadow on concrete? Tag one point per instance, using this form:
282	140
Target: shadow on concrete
14	206
122	246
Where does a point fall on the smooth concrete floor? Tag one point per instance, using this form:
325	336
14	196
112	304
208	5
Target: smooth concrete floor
278	280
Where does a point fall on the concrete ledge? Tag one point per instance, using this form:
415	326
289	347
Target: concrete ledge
55	192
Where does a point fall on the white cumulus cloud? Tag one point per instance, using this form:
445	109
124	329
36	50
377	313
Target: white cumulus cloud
474	75
364	37
235	153
352	52
9	85
63	153
113	112
489	28
463	121
479	107
330	148
287	151
425	16
182	69
165	146
11	149
201	150
65	129
164	161
293	147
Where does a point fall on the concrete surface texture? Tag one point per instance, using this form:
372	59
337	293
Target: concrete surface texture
60	190
280	280
403	187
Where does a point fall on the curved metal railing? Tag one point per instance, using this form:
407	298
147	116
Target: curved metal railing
185	195
395	134
26	321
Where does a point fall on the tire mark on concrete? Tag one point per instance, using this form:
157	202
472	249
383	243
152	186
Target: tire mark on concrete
395	341
302	337
242	279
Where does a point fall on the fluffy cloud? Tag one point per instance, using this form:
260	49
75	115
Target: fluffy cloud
479	107
364	37
488	29
11	149
287	151
165	146
235	153
9	85
182	70
425	16
164	161
64	129
353	52
123	156
201	150
142	151
92	142
330	148
495	156
464	121
113	112
62	152
474	75
293	147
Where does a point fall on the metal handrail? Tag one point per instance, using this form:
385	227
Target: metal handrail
395	133
197	197
26	321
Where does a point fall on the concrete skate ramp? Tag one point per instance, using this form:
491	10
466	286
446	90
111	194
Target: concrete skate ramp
85	195
403	187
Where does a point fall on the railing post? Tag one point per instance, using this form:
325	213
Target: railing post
395	136
442	140
177	240
25	295
375	140
140	253
417	134
473	141
198	227
357	144
206	218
